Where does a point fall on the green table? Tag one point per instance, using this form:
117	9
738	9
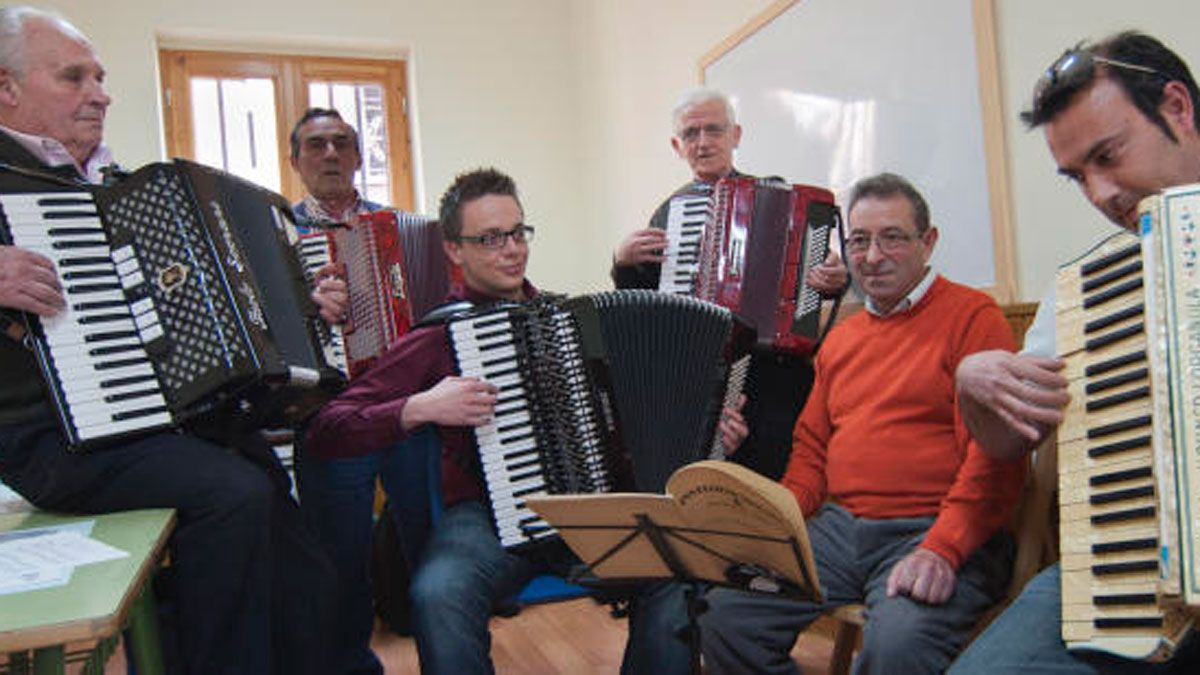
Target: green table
100	600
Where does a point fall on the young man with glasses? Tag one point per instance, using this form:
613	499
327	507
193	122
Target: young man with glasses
463	573
905	514
1121	121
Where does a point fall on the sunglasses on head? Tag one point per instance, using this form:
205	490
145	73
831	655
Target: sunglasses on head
1075	68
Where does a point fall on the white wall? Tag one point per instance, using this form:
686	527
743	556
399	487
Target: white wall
573	98
493	84
1053	221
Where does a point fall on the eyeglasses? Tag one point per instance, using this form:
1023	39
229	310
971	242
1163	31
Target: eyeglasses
521	234
888	241
692	134
1075	68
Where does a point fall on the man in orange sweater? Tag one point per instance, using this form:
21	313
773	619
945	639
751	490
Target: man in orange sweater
905	513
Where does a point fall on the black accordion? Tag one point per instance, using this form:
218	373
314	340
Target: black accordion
600	393
183	296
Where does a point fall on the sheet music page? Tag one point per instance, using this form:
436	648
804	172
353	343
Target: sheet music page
46	557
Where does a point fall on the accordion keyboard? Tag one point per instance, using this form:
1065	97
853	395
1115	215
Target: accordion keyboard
1109	506
485	348
686	217
95	347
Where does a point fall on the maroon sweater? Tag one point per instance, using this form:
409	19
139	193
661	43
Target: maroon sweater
365	418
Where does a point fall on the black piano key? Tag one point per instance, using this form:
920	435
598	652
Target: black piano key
1147	544
141	412
1117	427
122	381
104	318
515	439
1116	381
1092	283
525	475
72	231
1102	263
1118	399
84	260
504	429
1118	476
68	244
1118	316
63	201
1115	336
1114	363
89	274
1129	622
1127	514
1118	599
83	289
526	491
1112	292
111	335
1107	569
117	398
121	363
115	349
1119	446
1121	495
93	305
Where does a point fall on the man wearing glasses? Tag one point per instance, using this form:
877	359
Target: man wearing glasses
706	134
905	513
463	572
1121	121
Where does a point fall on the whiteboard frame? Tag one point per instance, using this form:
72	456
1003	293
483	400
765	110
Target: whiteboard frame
991	106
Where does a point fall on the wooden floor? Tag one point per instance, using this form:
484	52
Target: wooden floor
576	637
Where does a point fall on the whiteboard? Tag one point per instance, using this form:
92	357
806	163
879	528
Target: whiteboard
830	91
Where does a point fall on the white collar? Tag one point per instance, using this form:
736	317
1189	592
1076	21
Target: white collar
914	296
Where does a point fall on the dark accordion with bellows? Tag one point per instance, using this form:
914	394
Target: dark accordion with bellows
1129	444
599	393
395	271
183	297
748	244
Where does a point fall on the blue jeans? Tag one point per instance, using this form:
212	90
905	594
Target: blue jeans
748	632
464	574
337	497
1026	638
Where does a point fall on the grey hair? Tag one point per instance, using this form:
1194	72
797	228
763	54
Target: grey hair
698	96
12	33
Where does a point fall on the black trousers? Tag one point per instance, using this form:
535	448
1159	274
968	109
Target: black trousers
776	388
253	591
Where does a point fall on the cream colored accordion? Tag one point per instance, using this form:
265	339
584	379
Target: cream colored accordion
1128	316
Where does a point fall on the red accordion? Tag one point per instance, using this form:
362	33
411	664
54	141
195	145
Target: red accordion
760	241
395	270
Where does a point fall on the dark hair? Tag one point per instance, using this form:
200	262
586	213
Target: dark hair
467	187
1144	89
887	185
313	113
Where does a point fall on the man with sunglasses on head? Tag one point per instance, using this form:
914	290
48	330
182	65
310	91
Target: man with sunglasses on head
1120	118
904	513
463	573
706	134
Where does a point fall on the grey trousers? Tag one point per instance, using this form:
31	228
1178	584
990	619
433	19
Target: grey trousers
753	633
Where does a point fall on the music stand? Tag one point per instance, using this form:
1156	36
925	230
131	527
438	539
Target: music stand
627	540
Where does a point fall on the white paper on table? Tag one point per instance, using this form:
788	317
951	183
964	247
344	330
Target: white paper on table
46	557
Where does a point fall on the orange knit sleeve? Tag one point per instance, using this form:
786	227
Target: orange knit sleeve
985	491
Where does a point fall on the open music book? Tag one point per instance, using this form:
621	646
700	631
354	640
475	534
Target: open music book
719	522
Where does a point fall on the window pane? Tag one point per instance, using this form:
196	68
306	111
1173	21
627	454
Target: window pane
234	127
362	106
